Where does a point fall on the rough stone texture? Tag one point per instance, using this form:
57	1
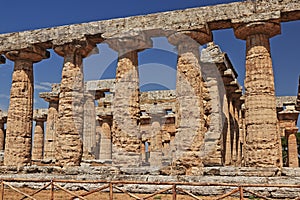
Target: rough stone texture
52	117
298	97
233	175
38	141
89	126
105	152
20	112
39	117
189	104
3	119
221	90
156	144
50	139
262	145
125	131
281	100
217	17
288	117
70	110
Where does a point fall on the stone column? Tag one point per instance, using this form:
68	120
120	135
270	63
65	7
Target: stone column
89	127
126	109
2	135
49	147
105	141
38	140
70	109
156	143
292	147
20	112
212	59
263	144
298	97
189	138
227	106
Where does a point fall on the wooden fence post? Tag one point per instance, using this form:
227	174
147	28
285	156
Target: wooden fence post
52	190
111	191
241	193
174	192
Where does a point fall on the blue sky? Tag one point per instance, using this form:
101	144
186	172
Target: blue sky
156	64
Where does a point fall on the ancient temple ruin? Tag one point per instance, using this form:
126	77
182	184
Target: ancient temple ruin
206	121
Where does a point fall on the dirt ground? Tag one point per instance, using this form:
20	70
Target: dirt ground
10	194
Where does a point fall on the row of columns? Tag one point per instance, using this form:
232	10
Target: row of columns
262	145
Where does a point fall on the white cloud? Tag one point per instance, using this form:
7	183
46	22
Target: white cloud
46	86
4	96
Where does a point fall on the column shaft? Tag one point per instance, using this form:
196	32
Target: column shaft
292	150
126	134
105	142
156	143
189	138
38	141
19	120
52	119
70	109
89	127
20	111
2	136
263	145
227	131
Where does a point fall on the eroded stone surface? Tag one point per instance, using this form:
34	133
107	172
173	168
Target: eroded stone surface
262	144
20	113
70	110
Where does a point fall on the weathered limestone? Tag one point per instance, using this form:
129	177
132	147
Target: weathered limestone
52	117
71	98
288	118
217	16
3	119
105	152
212	59
38	141
20	112
298	97
189	136
156	145
89	126
126	108
262	145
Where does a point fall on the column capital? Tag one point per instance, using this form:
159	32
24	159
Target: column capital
83	48
202	37
242	31
40	115
33	53
130	43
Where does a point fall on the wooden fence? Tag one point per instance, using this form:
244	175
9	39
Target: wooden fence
111	187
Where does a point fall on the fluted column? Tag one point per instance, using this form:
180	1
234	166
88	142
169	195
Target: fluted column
262	145
292	147
71	100
20	112
126	109
50	138
38	140
189	138
227	130
105	152
89	127
2	135
156	143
